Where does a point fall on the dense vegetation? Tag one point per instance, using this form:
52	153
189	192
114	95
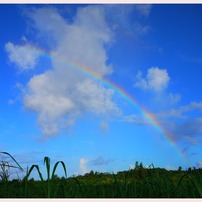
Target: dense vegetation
139	182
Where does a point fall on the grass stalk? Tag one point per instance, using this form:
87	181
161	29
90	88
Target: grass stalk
50	177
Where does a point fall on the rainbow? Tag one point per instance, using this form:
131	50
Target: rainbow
118	89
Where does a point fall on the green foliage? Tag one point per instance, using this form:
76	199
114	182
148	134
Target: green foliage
4	173
5	167
139	182
196	179
6	164
180	169
49	181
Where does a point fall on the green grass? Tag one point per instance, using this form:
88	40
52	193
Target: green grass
135	183
47	184
5	167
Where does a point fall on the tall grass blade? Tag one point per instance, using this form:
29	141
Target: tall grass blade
80	187
26	179
38	170
197	181
47	162
55	167
13	160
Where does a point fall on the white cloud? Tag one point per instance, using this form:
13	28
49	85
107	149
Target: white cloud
169	167
131	167
81	41
156	80
95	97
42	98
83	166
199	164
47	97
135	119
62	93
24	56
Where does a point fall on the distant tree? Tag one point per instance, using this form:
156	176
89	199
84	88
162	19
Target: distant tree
63	178
15	180
96	173
32	179
136	165
141	166
56	177
180	169
91	172
151	166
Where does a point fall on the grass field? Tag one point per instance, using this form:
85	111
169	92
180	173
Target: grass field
139	182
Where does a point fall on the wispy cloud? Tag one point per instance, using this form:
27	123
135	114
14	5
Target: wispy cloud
182	111
189	130
183	123
173	98
135	119
190	59
104	125
144	9
100	161
126	19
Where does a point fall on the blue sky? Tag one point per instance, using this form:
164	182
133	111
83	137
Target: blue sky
51	108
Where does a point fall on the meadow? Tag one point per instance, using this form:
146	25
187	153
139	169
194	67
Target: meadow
138	182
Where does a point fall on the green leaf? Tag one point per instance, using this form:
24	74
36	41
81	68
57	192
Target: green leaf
38	170
47	162
13	160
55	167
